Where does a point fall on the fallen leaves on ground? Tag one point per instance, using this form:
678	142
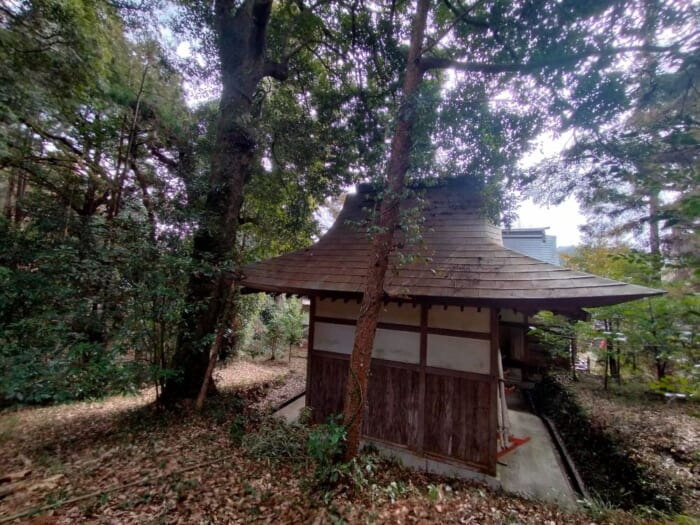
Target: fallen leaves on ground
664	436
183	468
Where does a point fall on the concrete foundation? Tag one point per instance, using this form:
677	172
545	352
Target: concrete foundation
532	470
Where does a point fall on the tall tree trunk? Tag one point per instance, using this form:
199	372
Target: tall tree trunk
607	356
215	352
373	294
654	237
660	368
241	42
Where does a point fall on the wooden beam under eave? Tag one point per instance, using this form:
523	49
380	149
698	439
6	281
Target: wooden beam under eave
493	412
310	343
421	377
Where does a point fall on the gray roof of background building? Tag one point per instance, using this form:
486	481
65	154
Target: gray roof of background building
533	242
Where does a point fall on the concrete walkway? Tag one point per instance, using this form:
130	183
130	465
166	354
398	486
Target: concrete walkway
290	413
533	470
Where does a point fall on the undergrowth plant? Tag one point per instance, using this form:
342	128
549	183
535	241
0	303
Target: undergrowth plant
319	448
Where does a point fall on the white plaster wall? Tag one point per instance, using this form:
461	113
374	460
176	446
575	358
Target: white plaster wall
331	337
394	345
389	313
471	319
459	353
404	314
338	308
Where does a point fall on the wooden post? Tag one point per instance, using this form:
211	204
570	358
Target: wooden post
493	419
310	342
421	380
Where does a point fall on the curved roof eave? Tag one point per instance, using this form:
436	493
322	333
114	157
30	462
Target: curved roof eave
460	259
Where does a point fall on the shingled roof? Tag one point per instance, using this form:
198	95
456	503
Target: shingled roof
460	259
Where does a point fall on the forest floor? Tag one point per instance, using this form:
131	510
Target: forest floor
123	461
661	435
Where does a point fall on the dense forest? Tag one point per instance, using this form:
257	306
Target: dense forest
148	149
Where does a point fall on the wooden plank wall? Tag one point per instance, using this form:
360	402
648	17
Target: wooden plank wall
458	418
393	412
325	386
442	413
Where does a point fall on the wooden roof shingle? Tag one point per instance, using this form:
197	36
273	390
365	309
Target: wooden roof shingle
459	259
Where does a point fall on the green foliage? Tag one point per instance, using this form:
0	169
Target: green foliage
434	494
267	326
291	321
80	321
677	385
395	490
659	332
325	448
236	430
554	332
92	250
319	446
636	178
277	441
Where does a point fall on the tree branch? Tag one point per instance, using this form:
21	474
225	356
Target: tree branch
277	70
459	17
52	136
164	159
428	63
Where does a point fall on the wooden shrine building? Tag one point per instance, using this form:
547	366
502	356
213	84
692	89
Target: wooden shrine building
435	370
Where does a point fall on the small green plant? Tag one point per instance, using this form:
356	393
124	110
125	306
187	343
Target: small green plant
434	493
597	507
325	447
236	430
394	490
277	441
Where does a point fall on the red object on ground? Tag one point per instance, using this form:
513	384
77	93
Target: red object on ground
515	442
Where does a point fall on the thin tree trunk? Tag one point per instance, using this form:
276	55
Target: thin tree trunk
654	237
607	356
618	349
215	349
574	357
124	163
373	294
9	207
19	195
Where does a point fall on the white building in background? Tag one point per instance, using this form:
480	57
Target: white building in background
533	242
